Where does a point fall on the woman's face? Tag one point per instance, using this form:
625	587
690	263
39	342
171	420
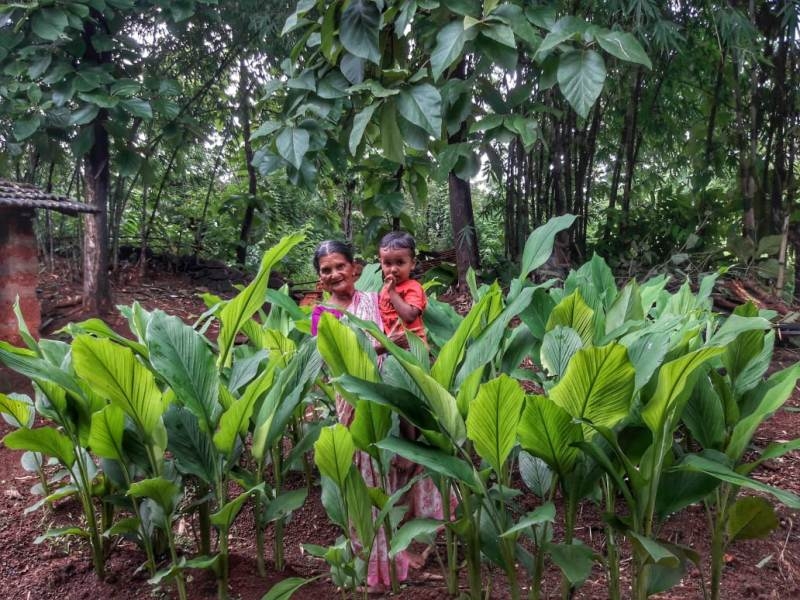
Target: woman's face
337	274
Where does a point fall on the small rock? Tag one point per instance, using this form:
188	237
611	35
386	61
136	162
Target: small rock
12	493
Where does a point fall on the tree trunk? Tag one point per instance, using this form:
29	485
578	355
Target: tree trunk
462	219
96	288
252	184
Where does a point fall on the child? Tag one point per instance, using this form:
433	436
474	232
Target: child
402	299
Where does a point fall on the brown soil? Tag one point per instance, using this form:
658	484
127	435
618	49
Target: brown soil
767	569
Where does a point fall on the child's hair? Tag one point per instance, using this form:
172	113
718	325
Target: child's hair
399	240
332	247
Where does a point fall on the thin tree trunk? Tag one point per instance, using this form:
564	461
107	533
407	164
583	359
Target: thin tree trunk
462	219
96	288
252	183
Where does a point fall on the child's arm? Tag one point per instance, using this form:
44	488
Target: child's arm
406	311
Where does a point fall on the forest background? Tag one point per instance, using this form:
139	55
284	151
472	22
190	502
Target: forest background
211	128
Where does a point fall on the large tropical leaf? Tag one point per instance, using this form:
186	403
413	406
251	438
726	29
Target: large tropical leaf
334	453
236	419
46	440
548	431
239	310
28	363
359	28
105	439
182	357
573	312
434	460
539	245
581	75
449	44
493	419
598	386
339	347
452	352
675	382
192	448
769	397
401	400
164	492
421	105
17	410
115	372
558	347
694	462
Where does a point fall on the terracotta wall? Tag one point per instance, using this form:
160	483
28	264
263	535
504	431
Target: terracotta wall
19	272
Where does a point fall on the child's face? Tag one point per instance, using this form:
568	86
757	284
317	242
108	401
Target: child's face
396	263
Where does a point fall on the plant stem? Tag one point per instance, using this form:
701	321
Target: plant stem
277	469
612	555
173	553
451	573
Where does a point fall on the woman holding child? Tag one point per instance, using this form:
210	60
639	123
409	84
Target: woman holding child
398	308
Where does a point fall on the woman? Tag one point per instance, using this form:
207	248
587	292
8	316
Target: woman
337	270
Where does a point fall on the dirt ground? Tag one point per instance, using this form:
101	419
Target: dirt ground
759	569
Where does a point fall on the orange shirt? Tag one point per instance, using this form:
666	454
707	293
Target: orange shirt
412	293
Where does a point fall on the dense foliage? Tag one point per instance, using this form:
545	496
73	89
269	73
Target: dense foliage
148	429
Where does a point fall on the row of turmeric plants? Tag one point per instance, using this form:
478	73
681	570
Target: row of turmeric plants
647	401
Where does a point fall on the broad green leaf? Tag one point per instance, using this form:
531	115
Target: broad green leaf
239	310
283	504
333	453
626	307
539	245
770	396
49	23
546	513
285	589
339	347
164	492
371	424
704	415
182	357
25	128
574	313
137	107
359	507
489	341
722	472
17	411
449	45
236	419
59	532
421	105
452	352
292	144
749	518
734	326
535	474
192	449
575	560
624	46
675	382
434	460
561	31
493	419
581	75
391	138
416	529
558	347
656	552
46	440
547	431
359	29
401	400
679	488
105	438
360	123
226	515
598	386
115	372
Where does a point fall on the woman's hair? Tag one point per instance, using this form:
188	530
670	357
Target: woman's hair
399	240
332	247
